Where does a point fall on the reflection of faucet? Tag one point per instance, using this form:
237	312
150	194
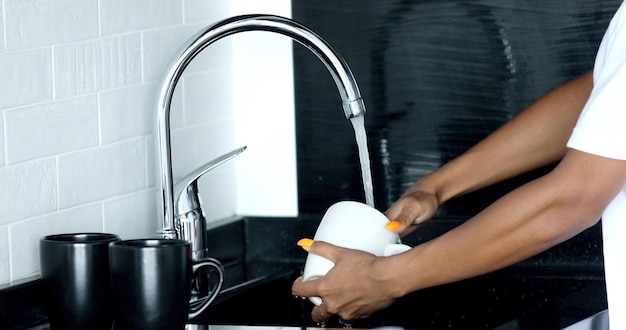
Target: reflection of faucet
353	106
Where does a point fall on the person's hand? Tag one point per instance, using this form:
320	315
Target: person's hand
354	288
411	210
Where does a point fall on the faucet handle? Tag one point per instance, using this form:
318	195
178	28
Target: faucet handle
185	190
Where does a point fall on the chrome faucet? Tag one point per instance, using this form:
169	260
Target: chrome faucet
186	220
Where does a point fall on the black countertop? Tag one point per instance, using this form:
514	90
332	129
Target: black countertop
552	291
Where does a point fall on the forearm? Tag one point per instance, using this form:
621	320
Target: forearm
527	221
536	137
485	244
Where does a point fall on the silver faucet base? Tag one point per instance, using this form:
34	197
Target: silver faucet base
167	233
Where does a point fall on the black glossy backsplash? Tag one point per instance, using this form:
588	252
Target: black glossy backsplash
436	77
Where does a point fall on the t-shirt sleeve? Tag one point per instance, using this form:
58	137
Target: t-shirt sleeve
601	127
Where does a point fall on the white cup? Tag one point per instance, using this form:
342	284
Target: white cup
356	226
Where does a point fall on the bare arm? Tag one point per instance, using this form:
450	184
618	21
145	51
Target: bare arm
523	223
534	138
534	217
527	221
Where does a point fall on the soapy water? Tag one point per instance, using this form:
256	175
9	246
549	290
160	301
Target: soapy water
361	139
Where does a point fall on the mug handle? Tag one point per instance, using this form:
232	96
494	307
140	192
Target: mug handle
393	249
198	306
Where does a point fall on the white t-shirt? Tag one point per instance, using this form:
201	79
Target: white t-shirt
601	130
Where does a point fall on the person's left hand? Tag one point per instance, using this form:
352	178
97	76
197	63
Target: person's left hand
354	288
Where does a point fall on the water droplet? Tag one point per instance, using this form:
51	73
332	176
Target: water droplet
345	324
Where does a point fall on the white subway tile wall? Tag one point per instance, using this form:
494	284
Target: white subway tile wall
123	16
1	143
26	77
78	84
97	65
4	254
28	189
85	218
121	215
33	23
2	29
126	113
96	174
51	128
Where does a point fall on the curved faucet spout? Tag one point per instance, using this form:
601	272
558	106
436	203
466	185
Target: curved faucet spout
352	103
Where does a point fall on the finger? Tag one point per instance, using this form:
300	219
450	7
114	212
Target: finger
295	284
395	226
406	217
322	249
320	313
301	288
393	211
400	218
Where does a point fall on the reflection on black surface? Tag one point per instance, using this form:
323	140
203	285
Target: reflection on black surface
436	77
550	291
502	300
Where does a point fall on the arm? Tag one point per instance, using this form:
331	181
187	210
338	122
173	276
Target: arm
525	222
534	138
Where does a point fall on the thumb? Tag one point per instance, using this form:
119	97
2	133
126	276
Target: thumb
399	221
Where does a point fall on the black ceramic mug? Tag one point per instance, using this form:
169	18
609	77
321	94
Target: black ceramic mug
152	283
76	280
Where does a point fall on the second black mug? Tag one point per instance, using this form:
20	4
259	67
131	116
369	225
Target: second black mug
152	283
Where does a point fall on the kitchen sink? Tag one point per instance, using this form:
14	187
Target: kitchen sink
501	300
551	291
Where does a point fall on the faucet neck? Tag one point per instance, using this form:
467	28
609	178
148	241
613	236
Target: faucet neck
352	102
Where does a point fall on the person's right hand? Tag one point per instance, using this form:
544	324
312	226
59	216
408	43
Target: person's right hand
411	210
358	285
